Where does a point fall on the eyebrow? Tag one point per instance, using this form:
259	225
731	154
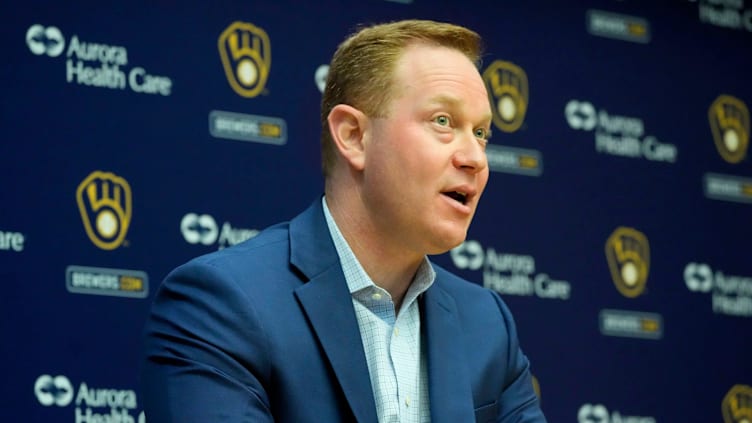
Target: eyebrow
445	99
453	101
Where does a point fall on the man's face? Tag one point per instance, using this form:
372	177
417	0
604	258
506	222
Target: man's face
425	163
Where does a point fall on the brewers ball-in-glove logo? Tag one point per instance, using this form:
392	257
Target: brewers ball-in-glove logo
729	122
246	56
737	405
104	201
628	255
508	92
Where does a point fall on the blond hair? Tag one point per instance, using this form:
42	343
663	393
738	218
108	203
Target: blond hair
361	72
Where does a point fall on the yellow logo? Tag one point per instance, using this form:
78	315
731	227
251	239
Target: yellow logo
638	29
104	201
536	387
729	122
507	89
246	56
628	255
737	405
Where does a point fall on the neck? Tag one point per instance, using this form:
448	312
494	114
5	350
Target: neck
387	264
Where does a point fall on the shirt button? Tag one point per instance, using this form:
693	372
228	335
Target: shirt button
376	296
396	331
407	401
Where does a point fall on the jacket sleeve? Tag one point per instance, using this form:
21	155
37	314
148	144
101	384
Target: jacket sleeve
205	351
518	401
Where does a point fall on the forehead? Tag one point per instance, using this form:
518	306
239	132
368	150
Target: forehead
425	69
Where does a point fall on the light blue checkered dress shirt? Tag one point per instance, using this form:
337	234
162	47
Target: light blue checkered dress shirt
392	341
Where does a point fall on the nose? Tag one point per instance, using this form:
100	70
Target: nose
471	155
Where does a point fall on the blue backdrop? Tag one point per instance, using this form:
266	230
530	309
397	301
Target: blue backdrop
616	223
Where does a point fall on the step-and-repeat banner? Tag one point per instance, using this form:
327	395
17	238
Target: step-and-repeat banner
616	223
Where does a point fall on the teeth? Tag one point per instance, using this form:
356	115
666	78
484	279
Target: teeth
457	196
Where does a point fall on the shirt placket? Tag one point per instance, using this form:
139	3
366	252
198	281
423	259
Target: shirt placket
405	360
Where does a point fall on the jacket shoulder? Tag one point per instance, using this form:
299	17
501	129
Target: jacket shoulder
270	242
456	285
472	300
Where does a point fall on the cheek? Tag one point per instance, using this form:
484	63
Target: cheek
484	178
408	154
483	181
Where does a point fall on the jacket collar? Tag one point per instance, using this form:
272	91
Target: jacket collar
313	254
327	303
448	385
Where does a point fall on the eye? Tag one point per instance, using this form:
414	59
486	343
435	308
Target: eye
482	133
442	120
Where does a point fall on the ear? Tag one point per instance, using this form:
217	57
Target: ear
347	126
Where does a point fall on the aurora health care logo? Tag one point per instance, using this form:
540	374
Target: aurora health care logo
94	63
730	294
45	40
618	135
90	404
203	229
53	390
599	413
508	273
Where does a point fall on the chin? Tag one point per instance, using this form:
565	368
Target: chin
447	242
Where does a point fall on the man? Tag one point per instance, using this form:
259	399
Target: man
338	316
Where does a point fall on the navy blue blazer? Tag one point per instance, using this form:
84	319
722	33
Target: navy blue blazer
265	331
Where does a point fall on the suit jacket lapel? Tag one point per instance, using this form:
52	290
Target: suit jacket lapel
327	303
449	389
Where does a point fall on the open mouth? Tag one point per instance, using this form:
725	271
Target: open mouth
460	197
